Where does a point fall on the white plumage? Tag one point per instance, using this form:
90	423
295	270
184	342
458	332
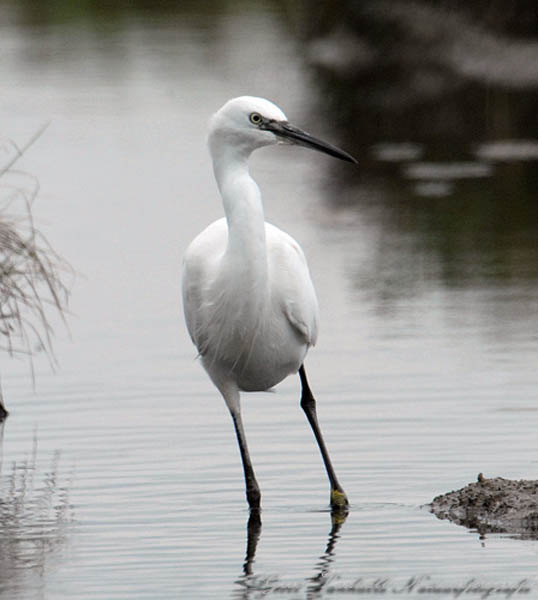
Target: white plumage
250	306
251	320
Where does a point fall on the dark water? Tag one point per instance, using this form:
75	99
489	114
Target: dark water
120	475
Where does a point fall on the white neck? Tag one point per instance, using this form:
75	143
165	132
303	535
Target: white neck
242	202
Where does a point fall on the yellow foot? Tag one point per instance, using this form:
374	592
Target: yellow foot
339	500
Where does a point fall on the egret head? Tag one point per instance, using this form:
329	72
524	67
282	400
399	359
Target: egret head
247	123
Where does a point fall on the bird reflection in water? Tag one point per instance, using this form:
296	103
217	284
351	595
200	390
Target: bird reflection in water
254	528
251	585
323	566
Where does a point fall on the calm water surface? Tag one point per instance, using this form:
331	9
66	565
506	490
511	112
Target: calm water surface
120	474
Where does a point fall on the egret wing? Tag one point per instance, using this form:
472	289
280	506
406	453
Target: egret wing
199	264
292	284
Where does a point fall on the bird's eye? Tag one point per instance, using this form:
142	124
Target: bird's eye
255	118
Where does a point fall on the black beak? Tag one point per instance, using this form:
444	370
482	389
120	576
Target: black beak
294	135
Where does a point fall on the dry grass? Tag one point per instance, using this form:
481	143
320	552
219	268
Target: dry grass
31	273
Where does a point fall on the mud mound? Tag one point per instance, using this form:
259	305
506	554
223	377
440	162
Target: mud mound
494	505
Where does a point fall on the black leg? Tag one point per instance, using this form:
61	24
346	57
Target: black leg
252	488
339	499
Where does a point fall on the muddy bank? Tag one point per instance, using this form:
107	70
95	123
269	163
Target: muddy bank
495	505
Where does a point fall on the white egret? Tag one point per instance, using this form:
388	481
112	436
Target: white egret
249	302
